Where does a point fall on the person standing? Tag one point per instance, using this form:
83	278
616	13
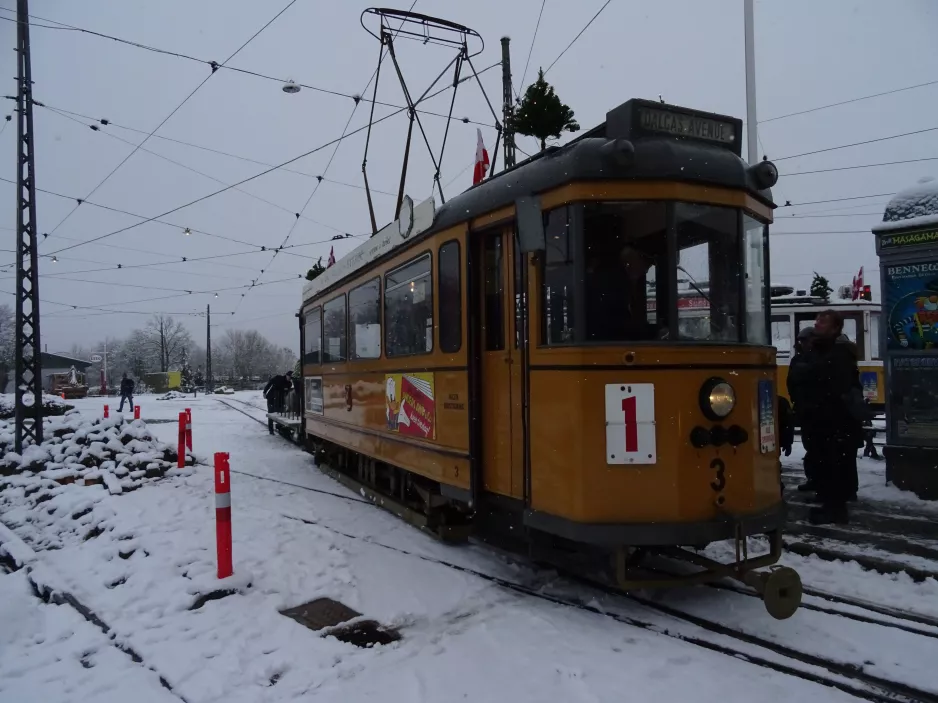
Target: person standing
275	391
127	392
835	418
801	391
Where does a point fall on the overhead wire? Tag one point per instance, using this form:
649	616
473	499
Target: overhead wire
847	102
170	115
530	50
215	66
111	123
348	122
852	168
262	173
593	19
788	203
847	146
196	171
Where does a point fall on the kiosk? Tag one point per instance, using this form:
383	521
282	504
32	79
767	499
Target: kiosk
907	245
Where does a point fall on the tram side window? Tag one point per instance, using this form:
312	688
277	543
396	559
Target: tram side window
408	309
874	336
708	273
334	330
494	266
450	298
782	338
364	313
313	337
559	279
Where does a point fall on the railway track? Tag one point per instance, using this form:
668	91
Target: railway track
704	632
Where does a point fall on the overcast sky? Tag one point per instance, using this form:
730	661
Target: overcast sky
808	54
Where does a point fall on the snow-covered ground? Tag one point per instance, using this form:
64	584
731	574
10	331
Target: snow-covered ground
141	560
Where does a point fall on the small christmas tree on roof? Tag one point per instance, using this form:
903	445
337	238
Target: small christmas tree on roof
541	114
820	287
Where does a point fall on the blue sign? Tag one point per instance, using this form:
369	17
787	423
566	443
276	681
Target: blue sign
767	402
911	306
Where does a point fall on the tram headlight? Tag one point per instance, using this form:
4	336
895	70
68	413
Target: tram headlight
717	398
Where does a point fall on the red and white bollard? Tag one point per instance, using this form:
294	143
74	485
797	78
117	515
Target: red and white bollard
223	514
189	429
136	412
182	441
107	412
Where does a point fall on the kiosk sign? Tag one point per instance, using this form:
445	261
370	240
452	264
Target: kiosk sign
911	305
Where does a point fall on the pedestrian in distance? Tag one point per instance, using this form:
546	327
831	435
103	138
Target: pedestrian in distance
801	391
835	417
127	393
275	391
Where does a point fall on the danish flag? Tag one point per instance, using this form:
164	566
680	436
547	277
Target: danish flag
858	284
482	160
331	260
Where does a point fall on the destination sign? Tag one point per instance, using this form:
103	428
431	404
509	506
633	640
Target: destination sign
682	125
893	241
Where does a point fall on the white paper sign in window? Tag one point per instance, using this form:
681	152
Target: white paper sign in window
630	423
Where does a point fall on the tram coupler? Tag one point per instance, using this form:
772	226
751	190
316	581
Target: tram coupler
780	588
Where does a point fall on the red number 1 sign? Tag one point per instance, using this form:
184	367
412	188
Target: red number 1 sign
630	423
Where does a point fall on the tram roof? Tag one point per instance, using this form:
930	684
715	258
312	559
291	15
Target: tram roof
623	147
591	157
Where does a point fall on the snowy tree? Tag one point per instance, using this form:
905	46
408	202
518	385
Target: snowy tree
168	338
820	287
541	114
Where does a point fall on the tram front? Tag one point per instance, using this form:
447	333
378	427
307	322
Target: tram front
650	377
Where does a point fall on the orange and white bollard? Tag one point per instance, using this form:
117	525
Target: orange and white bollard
136	412
189	428
107	412
223	515
182	441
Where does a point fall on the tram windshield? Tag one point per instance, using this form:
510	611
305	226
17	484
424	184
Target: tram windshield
610	274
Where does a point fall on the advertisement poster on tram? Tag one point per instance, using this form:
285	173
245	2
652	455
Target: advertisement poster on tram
911	306
410	408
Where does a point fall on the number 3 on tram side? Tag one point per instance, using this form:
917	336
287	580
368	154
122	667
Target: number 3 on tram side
621	384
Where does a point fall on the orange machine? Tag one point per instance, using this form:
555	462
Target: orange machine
518	364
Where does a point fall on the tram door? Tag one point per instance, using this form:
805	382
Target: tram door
501	352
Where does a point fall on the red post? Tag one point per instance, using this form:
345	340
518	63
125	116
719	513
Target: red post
136	412
182	441
189	428
223	514
107	412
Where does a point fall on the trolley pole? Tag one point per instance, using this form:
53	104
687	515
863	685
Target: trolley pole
752	145
28	378
507	106
209	385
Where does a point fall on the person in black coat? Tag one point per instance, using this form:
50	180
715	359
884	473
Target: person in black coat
127	393
835	417
801	391
275	391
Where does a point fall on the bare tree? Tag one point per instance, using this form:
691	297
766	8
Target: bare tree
168	338
247	354
7	344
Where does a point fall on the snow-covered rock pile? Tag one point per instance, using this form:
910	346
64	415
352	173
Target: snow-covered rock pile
173	395
51	404
111	451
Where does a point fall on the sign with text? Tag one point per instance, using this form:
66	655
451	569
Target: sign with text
410	407
630	423
895	241
684	125
767	400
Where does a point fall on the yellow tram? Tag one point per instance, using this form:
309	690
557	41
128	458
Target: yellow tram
496	366
792	312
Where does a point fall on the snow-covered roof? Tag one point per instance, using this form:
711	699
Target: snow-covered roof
386	240
912	208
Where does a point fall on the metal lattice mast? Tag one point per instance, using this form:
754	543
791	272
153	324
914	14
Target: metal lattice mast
28	380
507	105
209	385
